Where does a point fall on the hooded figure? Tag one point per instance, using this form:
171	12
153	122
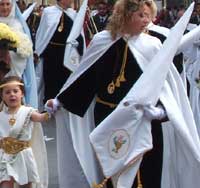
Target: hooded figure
50	45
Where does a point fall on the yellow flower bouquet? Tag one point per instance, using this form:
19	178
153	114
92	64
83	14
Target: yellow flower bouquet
8	38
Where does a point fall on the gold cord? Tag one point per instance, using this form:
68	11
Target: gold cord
61	26
111	105
121	77
139	182
100	185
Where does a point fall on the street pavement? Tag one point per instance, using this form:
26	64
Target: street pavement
49	129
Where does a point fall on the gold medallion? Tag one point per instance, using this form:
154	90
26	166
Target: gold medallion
12	121
60	28
111	88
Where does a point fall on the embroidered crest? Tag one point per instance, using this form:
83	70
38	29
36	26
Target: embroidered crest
119	143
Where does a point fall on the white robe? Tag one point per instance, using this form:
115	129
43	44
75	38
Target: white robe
48	24
73	127
192	56
184	136
181	142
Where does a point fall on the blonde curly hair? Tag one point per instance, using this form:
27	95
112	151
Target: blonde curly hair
121	15
153	8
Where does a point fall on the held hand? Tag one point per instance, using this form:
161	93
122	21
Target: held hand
49	106
151	112
52	105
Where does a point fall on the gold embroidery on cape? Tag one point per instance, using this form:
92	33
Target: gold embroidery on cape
61	26
121	77
111	105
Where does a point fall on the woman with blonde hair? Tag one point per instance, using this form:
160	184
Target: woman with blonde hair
109	68
106	92
122	16
97	98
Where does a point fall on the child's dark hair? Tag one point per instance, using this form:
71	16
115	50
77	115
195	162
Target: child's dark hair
8	79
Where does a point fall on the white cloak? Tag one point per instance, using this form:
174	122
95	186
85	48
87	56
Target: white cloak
181	141
192	56
48	24
185	138
180	138
74	127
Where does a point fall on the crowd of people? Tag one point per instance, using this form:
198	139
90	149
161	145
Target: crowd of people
121	86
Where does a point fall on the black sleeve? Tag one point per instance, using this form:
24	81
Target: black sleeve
178	62
80	44
164	119
157	35
80	94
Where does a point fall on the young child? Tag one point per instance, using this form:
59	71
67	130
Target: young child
17	161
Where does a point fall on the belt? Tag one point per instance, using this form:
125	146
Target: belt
111	105
12	145
57	43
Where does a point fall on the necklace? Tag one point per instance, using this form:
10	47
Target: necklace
62	8
121	77
12	119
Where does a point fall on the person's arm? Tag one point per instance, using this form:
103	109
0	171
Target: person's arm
40	117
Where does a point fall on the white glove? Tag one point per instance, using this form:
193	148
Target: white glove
151	112
74	43
52	105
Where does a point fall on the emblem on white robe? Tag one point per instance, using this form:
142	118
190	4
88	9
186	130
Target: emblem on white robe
119	143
